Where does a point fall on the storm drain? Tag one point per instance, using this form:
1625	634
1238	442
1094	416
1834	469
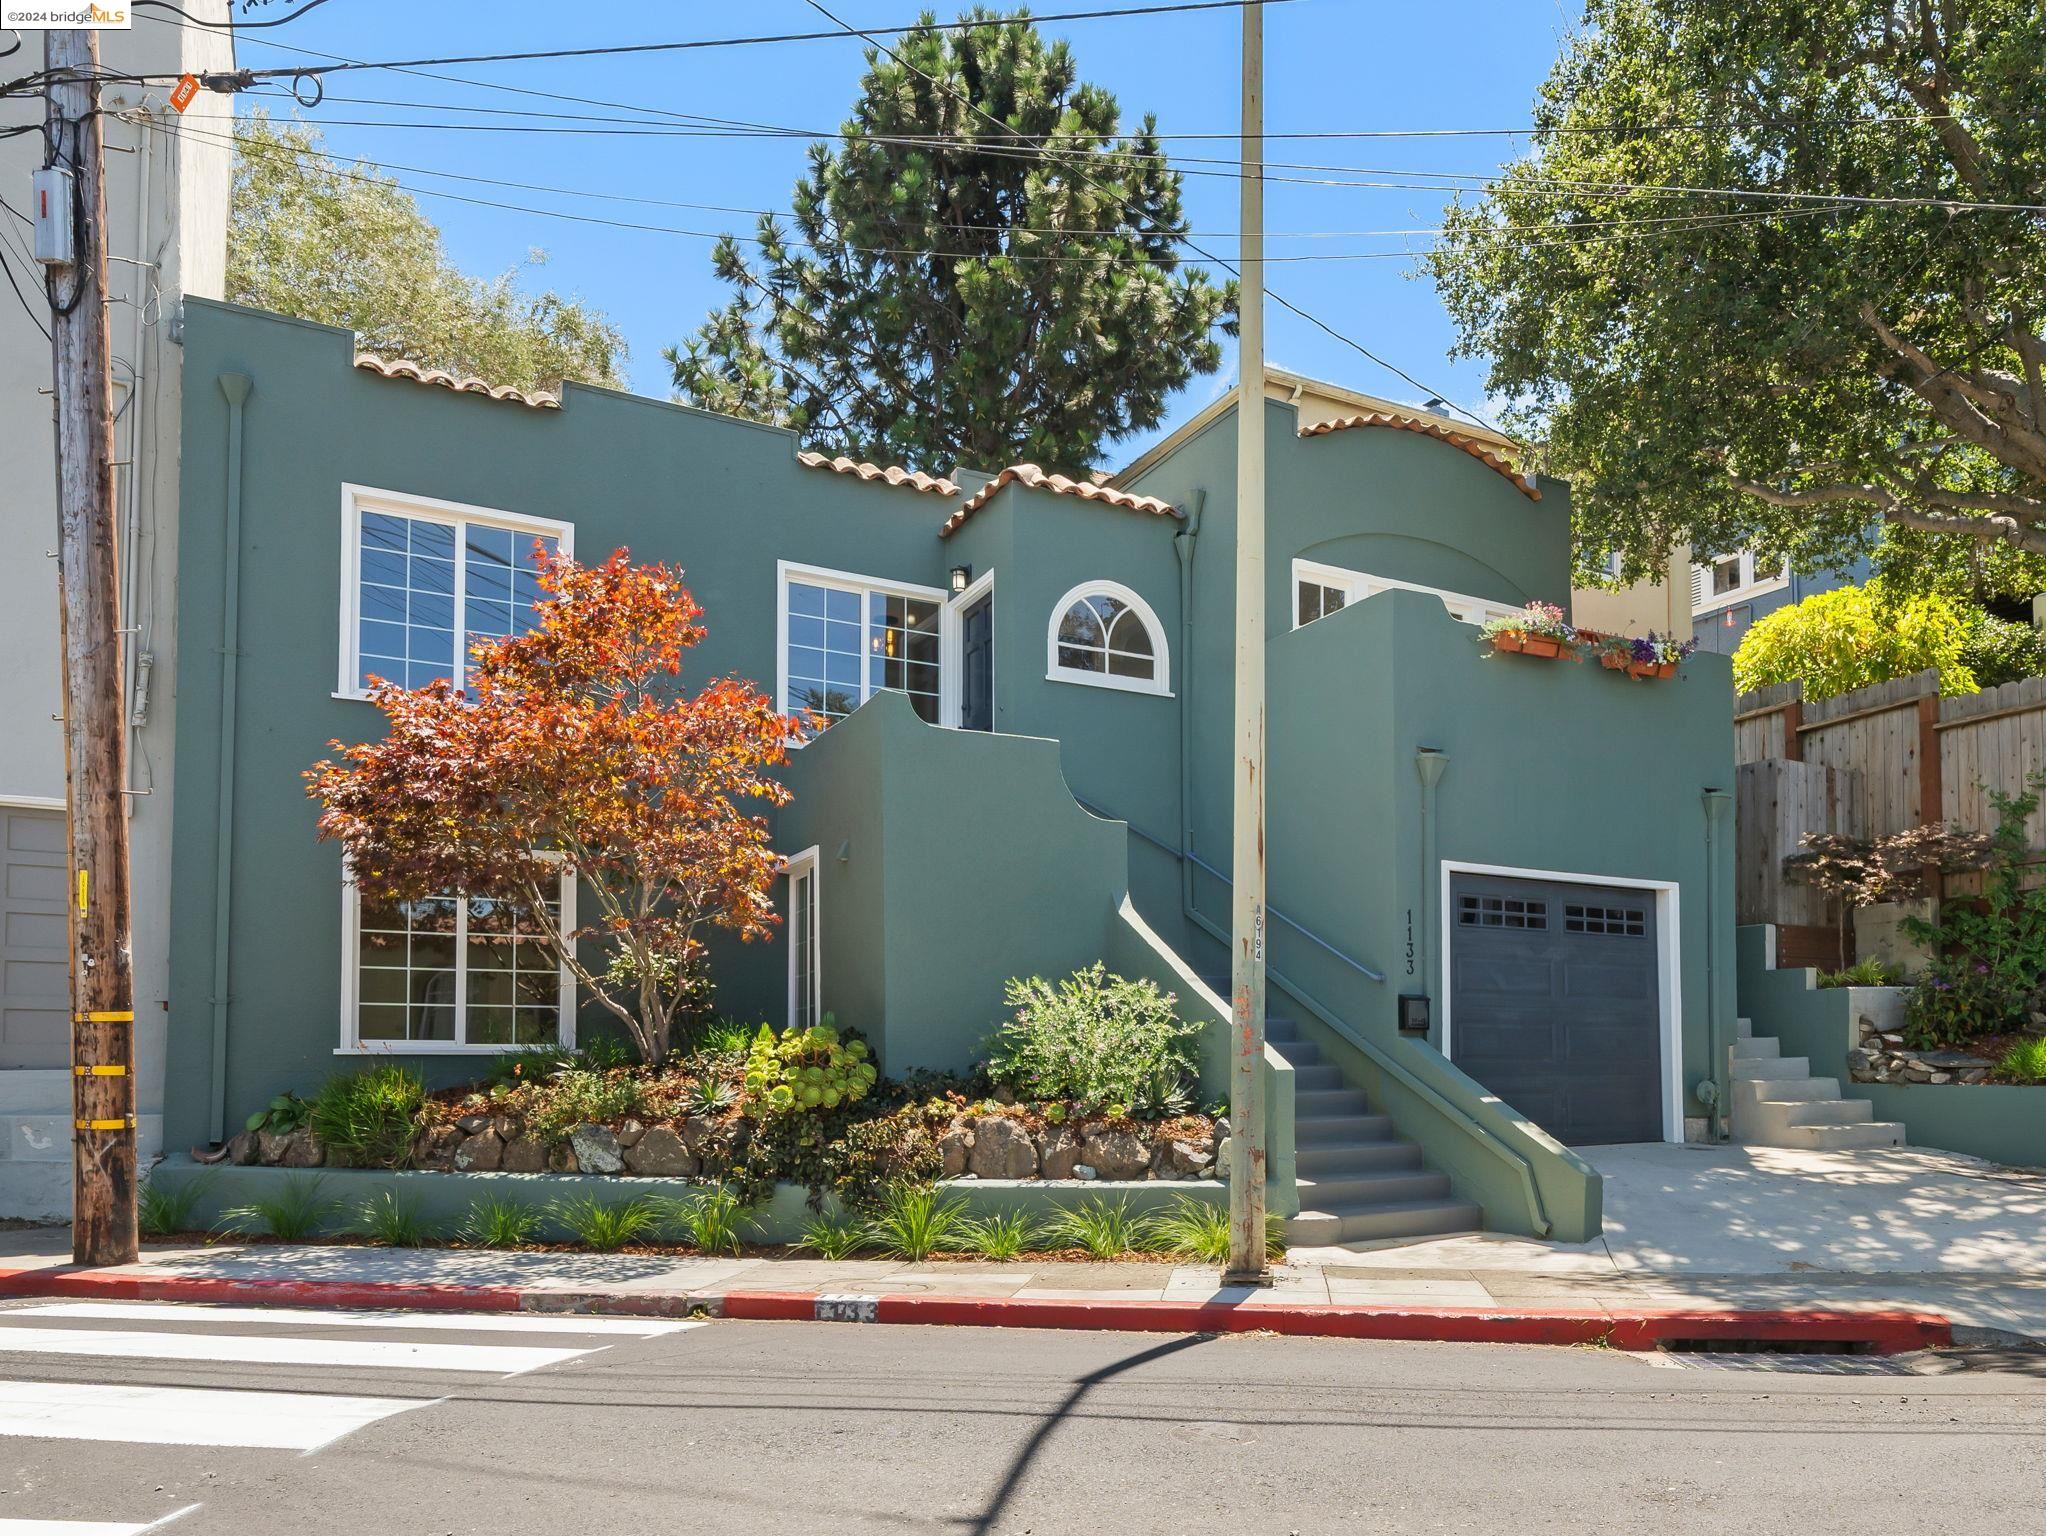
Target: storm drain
1789	1362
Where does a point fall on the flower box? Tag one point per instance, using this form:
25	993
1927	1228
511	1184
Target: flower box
1527	645
1641	669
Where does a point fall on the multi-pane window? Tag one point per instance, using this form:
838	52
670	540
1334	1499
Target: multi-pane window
431	585
1317	600
1501	912
457	971
1620	922
1725	579
1105	634
847	642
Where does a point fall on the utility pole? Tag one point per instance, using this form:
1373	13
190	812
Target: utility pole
1247	911
95	739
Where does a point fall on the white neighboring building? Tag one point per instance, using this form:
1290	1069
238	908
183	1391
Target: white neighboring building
168	178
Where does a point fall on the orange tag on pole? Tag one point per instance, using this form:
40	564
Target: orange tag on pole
182	93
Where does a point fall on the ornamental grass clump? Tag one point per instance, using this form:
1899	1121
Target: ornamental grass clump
917	1221
495	1222
710	1220
1198	1230
296	1212
607	1225
1099	1042
162	1208
1104	1228
369	1117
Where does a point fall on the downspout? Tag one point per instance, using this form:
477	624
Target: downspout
236	387
1431	765
1717	802
1183	546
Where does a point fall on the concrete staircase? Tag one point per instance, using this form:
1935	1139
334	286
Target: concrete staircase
1776	1102
1358	1181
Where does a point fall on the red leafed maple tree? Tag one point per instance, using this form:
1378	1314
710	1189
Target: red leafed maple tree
576	751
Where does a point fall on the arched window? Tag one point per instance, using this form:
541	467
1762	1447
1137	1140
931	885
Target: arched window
1104	635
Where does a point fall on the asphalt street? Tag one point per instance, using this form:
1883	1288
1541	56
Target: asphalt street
120	1418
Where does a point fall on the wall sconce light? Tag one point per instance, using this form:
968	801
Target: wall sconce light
1413	1014
962	578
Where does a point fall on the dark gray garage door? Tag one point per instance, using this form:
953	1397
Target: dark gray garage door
1553	1004
34	979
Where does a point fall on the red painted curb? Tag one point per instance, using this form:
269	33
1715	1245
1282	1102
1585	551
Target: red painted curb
110	1285
1643	1328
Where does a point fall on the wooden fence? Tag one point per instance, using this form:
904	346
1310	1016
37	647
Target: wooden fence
1870	763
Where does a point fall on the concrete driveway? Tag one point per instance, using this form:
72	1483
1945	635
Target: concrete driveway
1766	1226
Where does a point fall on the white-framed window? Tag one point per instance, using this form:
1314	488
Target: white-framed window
1105	636
1320	590
844	638
423	580
806	968
1733	578
454	974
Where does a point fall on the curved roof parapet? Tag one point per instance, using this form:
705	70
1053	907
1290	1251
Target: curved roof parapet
405	368
894	474
1478	450
1030	475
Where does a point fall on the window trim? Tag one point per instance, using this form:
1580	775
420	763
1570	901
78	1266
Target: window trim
1705	600
358	499
1159	684
786	571
352	1043
1356	586
806	863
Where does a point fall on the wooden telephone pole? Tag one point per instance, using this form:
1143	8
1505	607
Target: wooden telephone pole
1247	1260
95	740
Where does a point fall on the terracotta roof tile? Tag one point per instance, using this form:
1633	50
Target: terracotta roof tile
1475	447
894	474
1037	479
405	368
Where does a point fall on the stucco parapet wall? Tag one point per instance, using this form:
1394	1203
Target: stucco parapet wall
892	474
405	368
1487	456
1036	479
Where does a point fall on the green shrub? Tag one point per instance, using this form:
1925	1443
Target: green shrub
1989	959
1199	1230
1001	1236
1835	642
806	1069
576	1094
162	1208
870	1156
835	1237
527	1064
710	1220
295	1213
284	1114
2024	1062
1863	973
917	1221
394	1219
2004	651
1100	1041
369	1117
1105	1228
607	1225
720	1037
495	1222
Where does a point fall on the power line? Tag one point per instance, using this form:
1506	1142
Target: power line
231	25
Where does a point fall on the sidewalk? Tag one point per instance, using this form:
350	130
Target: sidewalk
1449	1290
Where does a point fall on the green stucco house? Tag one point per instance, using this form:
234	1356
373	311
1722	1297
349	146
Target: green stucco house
1499	887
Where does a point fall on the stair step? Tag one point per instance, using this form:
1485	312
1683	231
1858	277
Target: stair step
1756	1048
1314	1076
1318	1102
1743	1029
1776	1068
1339	1160
1763	1090
1396	1218
1298	1053
1340	1130
1343	1194
1836	1138
1829	1112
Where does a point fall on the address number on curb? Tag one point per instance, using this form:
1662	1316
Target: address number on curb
844	1308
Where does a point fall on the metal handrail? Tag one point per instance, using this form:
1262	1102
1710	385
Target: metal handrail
1376	1054
1208	869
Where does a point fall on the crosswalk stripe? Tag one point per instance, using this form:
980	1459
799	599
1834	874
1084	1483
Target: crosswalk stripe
282	1421
267	1349
454	1322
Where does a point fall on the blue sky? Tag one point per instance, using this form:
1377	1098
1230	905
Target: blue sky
1331	65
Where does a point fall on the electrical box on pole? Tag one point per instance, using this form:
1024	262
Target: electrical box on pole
54	202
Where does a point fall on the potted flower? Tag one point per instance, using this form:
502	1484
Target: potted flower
1614	652
1657	655
1539	629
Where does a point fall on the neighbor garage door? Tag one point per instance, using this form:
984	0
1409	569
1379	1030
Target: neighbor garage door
1553	1004
33	977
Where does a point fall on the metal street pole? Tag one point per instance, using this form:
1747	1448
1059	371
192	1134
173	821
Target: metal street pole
1247	911
95	737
